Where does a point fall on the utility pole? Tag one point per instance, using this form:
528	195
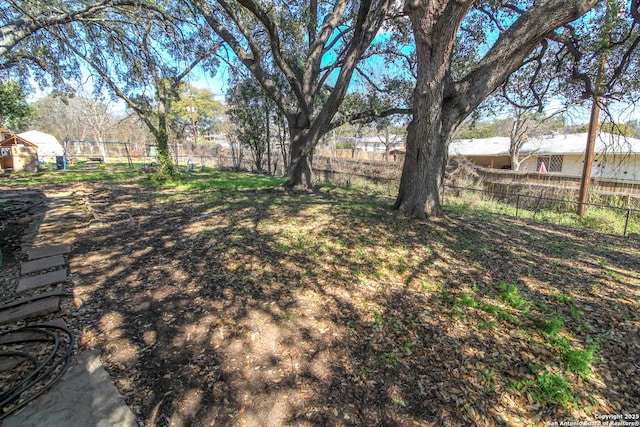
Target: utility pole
583	197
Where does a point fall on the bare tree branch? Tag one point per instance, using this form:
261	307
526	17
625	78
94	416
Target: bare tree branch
510	50
369	116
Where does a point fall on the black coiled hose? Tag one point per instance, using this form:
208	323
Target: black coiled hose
45	373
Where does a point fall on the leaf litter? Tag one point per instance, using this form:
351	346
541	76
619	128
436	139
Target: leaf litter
256	307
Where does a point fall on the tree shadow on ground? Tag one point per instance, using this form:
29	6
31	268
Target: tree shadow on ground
257	308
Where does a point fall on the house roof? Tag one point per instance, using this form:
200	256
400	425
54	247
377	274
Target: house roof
48	145
480	147
574	143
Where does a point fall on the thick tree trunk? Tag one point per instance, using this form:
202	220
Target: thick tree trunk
162	139
300	175
423	171
515	161
434	27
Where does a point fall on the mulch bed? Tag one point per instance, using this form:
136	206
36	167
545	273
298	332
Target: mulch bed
260	308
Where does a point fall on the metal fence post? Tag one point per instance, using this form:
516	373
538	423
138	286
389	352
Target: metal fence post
626	222
517	205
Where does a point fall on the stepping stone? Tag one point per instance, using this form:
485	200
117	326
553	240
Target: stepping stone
56	238
62	222
58	292
24	220
36	308
84	396
59	215
9	362
62	195
47	251
41	264
22	335
41	280
29	237
57	228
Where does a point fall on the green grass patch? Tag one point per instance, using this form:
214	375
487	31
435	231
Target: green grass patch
564	298
390	359
121	172
511	296
548	388
467	301
575	313
613	275
284	316
508	317
488	377
500	314
604	220
223	181
552	326
580	361
552	389
75	173
486	326
490	308
459	303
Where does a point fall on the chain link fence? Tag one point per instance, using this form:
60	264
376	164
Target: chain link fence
607	218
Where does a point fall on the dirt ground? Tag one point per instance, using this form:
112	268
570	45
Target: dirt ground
254	307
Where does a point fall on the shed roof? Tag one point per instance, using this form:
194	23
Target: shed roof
574	143
15	139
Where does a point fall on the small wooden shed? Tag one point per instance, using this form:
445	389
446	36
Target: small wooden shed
18	155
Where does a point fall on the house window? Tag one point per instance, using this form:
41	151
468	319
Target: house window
552	163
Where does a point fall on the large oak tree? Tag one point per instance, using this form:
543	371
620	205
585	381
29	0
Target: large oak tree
304	55
444	96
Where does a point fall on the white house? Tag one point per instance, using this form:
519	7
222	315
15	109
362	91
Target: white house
616	157
48	145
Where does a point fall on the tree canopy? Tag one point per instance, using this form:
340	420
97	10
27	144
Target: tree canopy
29	47
15	112
197	107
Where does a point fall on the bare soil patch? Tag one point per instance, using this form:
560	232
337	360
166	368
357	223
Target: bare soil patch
254	307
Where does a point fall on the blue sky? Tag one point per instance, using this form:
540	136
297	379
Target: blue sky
216	84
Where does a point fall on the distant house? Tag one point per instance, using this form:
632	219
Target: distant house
616	157
48	145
